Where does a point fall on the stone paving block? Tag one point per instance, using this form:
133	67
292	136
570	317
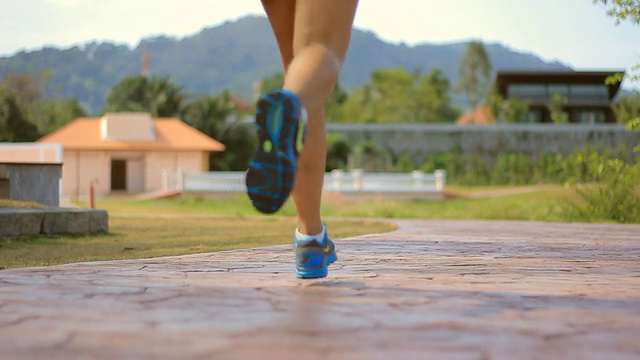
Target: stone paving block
431	290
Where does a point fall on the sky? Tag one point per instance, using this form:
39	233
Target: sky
577	33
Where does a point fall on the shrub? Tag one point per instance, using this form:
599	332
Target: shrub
616	197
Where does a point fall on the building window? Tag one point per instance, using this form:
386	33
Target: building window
562	89
591	117
589	93
531	92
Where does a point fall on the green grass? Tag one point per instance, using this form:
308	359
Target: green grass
545	203
132	238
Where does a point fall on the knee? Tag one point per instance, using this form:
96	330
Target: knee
323	53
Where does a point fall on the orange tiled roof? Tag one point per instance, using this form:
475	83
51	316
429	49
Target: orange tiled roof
479	116
171	134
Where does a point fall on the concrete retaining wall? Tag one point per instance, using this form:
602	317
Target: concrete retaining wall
31	182
421	140
52	221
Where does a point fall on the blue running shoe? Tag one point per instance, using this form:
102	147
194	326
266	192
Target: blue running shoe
280	130
313	258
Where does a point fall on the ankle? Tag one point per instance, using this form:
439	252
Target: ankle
310	229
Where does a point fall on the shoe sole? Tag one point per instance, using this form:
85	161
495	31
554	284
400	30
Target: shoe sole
272	172
317	273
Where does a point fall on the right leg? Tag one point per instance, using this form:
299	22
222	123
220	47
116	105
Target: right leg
321	37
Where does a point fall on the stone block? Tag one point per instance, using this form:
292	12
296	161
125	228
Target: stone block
52	221
20	222
98	221
67	221
9	223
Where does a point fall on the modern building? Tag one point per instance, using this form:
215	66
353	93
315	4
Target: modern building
586	97
129	152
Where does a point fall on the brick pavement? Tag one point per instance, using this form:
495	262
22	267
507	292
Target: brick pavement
431	290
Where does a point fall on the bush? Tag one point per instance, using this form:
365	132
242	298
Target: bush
510	168
338	150
616	197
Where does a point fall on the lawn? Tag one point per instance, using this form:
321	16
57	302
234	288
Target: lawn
132	238
547	203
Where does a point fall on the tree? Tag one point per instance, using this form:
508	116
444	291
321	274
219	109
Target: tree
14	126
397	96
509	111
157	96
272	82
474	72
213	115
338	150
627	107
622	10
556	108
47	113
433	103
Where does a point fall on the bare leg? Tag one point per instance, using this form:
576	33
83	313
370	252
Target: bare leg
319	33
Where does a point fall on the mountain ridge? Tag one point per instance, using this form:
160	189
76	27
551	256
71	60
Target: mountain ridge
235	55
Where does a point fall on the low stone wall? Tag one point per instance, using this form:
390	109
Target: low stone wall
422	140
16	223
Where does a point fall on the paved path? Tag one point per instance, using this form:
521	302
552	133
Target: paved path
433	289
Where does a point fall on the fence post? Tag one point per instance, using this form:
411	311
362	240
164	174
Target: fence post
164	175
336	179
357	179
180	180
92	196
441	179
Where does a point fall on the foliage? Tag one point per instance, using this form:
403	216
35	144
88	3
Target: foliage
627	107
367	155
14	125
275	81
509	111
214	116
474	72
622	10
405	163
157	96
45	111
397	96
616	197
511	168
556	108
338	150
55	114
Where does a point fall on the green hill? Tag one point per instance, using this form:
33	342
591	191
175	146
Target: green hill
234	55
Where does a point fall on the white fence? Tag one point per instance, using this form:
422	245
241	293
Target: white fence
335	181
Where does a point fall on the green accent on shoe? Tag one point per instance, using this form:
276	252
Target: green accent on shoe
300	138
275	124
267	146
